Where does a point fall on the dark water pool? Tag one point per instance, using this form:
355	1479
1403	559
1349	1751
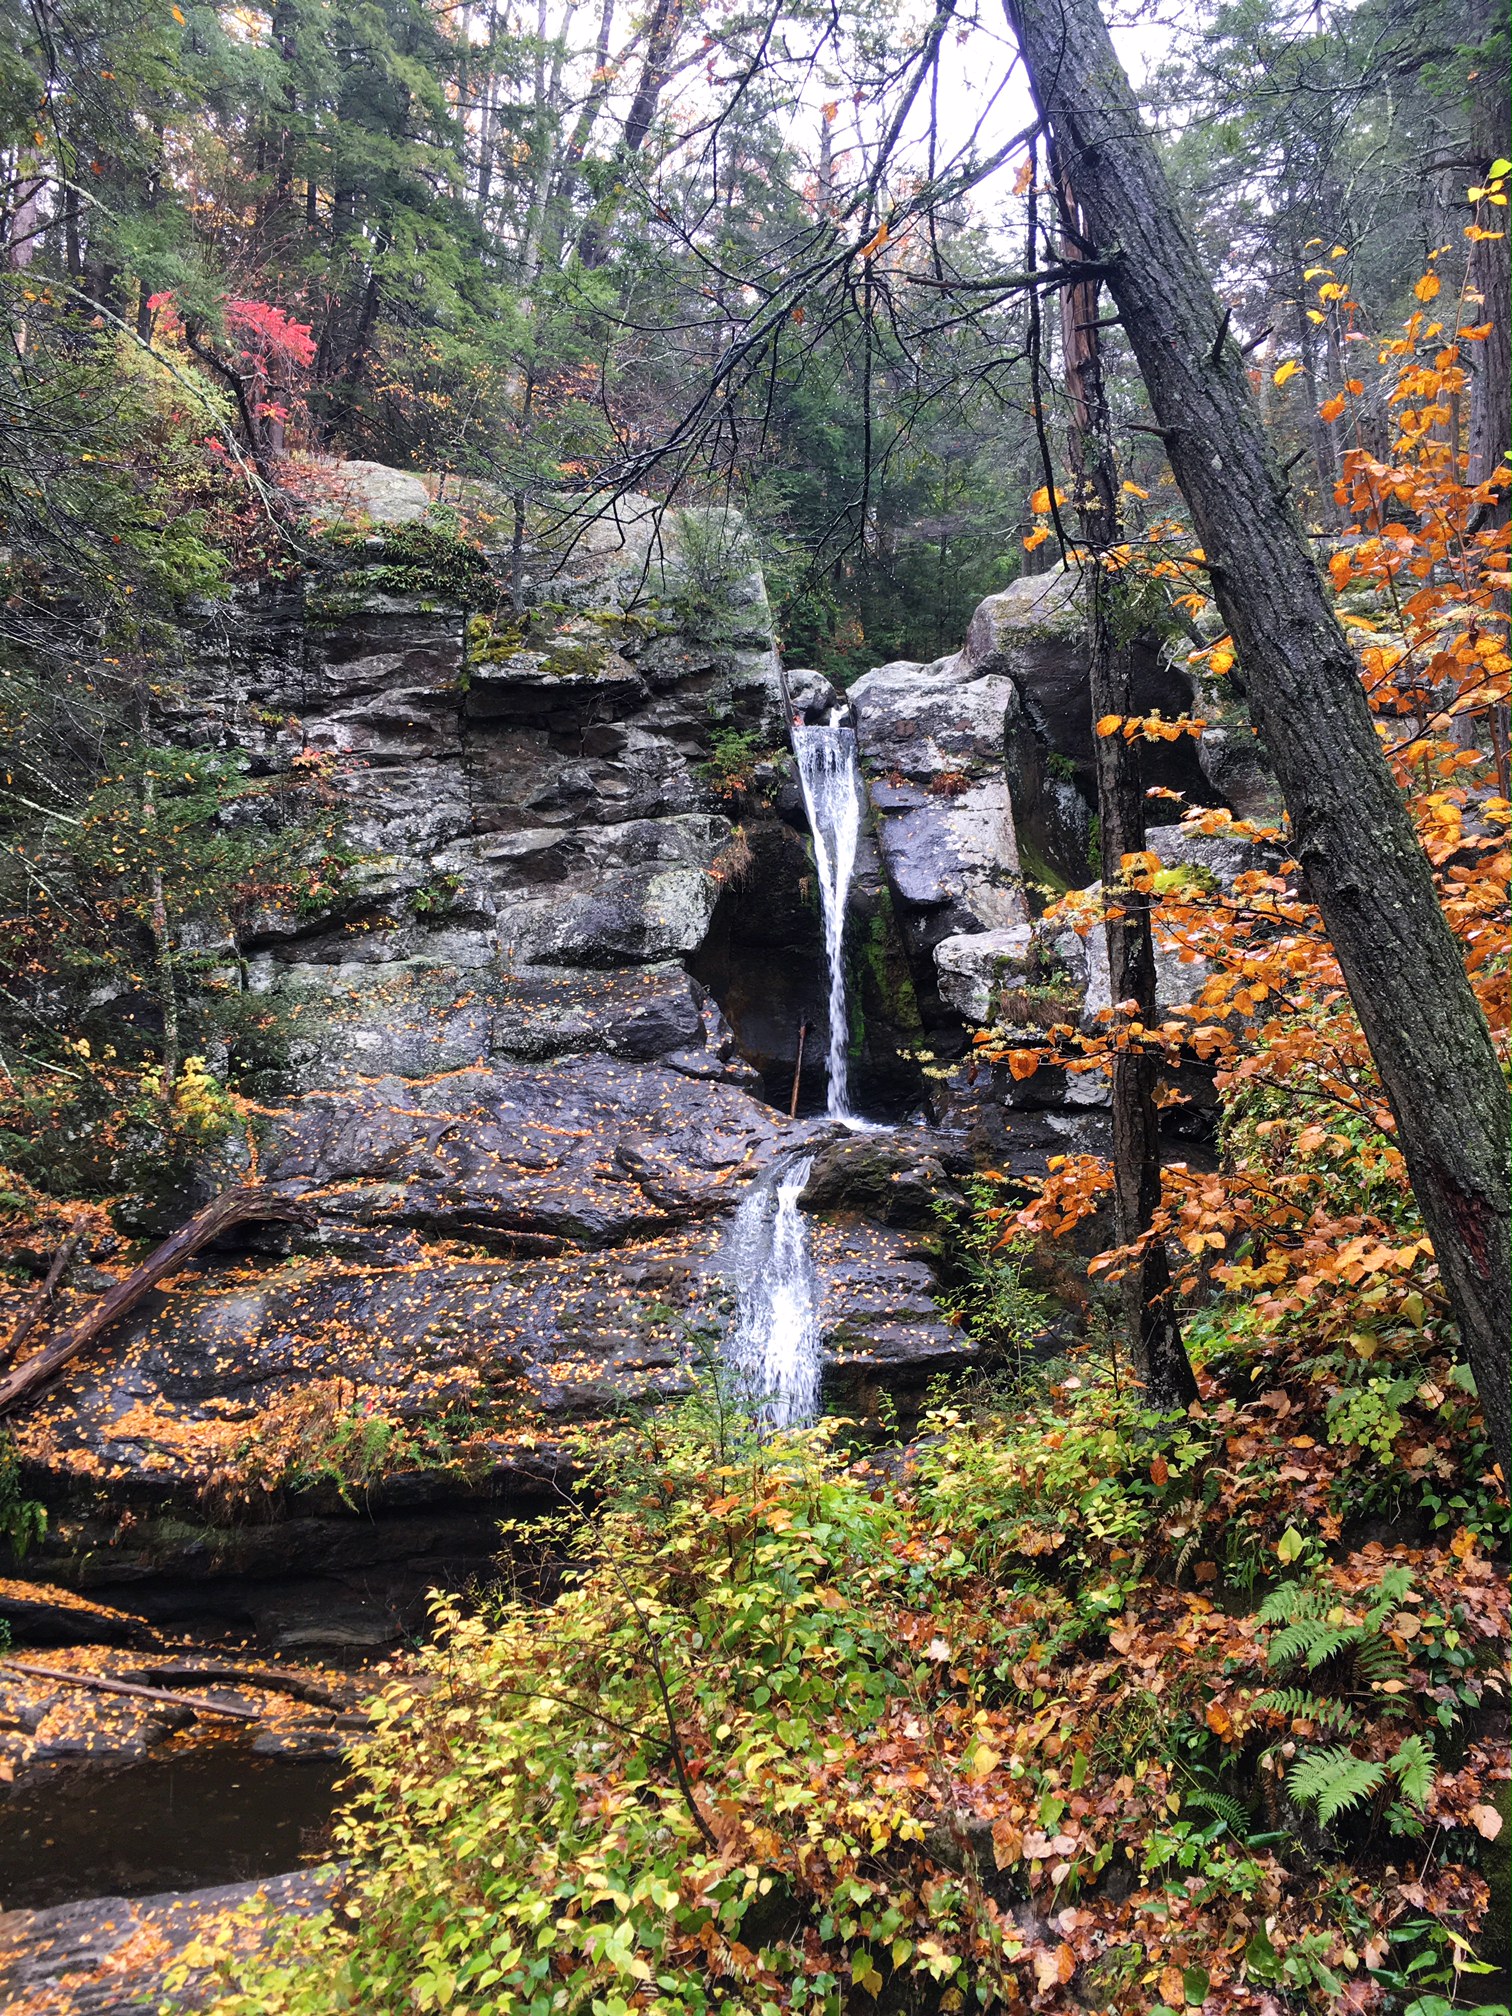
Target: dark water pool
207	1815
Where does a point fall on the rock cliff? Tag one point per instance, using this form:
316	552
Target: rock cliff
520	1114
542	1020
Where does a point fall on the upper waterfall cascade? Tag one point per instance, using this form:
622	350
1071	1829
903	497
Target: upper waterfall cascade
832	797
775	1344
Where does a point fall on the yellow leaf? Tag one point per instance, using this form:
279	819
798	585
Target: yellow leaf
1024	176
1427	287
1339	252
984	1760
1133	490
1287	370
1318	272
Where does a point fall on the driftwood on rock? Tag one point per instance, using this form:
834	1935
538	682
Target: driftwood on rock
243	1205
41	1298
102	1683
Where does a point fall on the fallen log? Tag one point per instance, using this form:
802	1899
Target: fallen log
43	1296
240	1206
200	1674
101	1683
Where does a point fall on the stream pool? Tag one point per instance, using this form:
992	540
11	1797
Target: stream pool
210	1814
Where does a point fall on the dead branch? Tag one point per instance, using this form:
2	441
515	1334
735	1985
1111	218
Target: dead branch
101	1683
240	1206
33	1312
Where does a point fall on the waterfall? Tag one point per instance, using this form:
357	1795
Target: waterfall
774	1347
832	798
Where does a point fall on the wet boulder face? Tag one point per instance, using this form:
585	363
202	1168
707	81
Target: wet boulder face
932	740
1034	633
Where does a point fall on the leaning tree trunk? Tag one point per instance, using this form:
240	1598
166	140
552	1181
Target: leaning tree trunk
1147	1297
1351	828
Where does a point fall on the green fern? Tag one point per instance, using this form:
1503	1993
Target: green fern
1296	1703
1331	1781
1223	1808
1310	1638
1377	1660
1413	1768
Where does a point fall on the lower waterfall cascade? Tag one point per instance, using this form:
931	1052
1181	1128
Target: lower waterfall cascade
774	1347
832	796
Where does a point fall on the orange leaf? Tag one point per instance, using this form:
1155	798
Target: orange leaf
1023	1063
1332	408
1160	1471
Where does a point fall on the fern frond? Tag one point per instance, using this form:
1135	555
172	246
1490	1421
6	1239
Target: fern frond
1294	1702
1308	1637
1377	1659
1331	1781
1413	1768
1223	1808
1291	1601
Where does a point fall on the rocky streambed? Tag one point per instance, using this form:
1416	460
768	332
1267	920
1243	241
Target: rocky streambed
543	1045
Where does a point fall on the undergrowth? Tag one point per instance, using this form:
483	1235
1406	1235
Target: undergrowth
1018	1724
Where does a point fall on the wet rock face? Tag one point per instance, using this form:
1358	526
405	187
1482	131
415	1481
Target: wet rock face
932	740
110	1956
528	1033
1034	634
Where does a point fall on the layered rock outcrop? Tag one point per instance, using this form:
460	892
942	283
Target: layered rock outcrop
520	1118
543	1016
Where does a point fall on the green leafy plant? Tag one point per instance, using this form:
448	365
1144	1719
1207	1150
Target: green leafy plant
22	1520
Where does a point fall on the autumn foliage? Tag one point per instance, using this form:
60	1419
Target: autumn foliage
1309	1216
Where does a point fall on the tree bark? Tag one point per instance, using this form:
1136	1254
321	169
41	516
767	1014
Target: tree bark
1489	283
241	1206
1490	262
1351	828
1146	1295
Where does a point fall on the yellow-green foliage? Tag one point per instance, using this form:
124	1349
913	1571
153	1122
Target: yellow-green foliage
803	1736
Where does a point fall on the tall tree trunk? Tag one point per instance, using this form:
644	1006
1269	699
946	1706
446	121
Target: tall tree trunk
1490	281
1490	266
1146	1295
1351	828
162	944
661	45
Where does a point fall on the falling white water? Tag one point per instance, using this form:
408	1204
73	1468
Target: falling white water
832	798
774	1347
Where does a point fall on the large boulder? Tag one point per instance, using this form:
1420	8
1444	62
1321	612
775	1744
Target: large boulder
1035	633
932	740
